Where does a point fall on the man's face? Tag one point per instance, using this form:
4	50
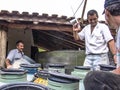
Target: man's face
110	20
20	46
93	19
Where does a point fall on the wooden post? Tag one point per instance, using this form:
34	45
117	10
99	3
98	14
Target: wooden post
3	40
84	7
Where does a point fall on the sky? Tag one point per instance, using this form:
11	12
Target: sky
59	7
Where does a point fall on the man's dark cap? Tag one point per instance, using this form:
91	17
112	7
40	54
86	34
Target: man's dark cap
109	3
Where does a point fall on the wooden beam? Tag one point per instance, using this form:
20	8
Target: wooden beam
40	27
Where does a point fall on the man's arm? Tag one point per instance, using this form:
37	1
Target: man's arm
7	62
112	47
76	29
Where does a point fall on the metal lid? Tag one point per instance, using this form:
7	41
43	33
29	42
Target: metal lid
83	67
107	67
43	73
30	65
56	65
12	71
23	86
63	78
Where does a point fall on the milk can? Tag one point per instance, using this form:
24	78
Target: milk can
81	71
12	76
61	81
41	77
56	68
31	70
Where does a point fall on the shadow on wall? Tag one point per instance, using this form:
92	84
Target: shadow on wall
70	58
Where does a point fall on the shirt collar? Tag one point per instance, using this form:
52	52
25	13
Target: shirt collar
19	51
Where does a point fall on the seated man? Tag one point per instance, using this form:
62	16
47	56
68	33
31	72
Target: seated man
17	57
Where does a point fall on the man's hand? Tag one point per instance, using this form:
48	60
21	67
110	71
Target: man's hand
76	27
115	59
116	71
9	66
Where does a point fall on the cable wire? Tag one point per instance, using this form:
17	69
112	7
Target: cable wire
78	8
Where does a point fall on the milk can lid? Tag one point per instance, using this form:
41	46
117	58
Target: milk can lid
83	67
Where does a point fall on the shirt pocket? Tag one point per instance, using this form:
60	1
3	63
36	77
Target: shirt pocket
99	38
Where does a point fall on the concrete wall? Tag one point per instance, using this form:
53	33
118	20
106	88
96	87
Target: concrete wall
18	34
70	58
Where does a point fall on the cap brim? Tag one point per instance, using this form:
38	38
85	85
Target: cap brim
103	12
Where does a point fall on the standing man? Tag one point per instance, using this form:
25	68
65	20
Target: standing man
15	55
107	80
97	36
